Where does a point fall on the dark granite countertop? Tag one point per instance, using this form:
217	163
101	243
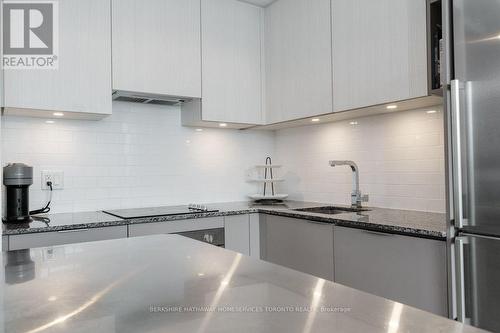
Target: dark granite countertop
140	285
405	222
63	221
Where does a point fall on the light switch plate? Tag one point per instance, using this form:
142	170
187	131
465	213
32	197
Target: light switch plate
56	177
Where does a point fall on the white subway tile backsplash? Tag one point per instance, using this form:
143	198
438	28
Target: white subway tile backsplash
139	156
400	155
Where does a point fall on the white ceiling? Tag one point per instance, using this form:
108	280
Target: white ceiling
262	3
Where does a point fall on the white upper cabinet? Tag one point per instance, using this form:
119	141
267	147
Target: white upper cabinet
232	62
156	47
379	52
298	59
81	85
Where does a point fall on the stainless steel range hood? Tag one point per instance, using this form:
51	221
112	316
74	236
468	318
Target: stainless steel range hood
147	98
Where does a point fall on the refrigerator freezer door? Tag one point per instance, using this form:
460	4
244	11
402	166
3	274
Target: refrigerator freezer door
478	273
476	30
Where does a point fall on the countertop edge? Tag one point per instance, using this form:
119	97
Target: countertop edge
83	226
392	229
121	222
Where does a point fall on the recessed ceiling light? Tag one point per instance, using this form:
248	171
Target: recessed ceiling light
201	274
188	141
223	125
391	107
58	114
431	111
315	120
353	123
49	122
199	130
52	298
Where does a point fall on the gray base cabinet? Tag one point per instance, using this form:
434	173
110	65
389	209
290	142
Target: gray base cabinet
298	244
406	269
28	241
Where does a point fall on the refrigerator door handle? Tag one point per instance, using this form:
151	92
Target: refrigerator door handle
457	147
460	278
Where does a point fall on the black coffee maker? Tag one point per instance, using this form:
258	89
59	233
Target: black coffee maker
17	178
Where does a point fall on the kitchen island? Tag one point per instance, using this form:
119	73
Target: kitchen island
168	283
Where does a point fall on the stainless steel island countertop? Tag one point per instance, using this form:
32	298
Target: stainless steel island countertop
168	283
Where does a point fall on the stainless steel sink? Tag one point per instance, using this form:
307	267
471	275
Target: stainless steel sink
331	210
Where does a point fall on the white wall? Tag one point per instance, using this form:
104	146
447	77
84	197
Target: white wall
400	156
139	156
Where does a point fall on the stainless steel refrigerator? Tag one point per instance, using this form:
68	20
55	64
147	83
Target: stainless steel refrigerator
473	119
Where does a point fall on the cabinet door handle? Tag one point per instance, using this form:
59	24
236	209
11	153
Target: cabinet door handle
72	230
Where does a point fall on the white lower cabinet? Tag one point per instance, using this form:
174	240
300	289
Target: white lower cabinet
28	241
406	269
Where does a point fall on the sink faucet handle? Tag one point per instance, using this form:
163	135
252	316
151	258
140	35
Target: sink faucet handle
357	199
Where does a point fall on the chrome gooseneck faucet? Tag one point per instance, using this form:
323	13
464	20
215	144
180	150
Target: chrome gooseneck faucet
356	197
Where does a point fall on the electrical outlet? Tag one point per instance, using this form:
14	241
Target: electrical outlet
56	177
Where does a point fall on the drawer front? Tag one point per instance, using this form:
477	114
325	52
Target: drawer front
409	270
27	241
298	244
171	227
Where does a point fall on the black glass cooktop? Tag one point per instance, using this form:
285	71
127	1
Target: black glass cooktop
134	213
